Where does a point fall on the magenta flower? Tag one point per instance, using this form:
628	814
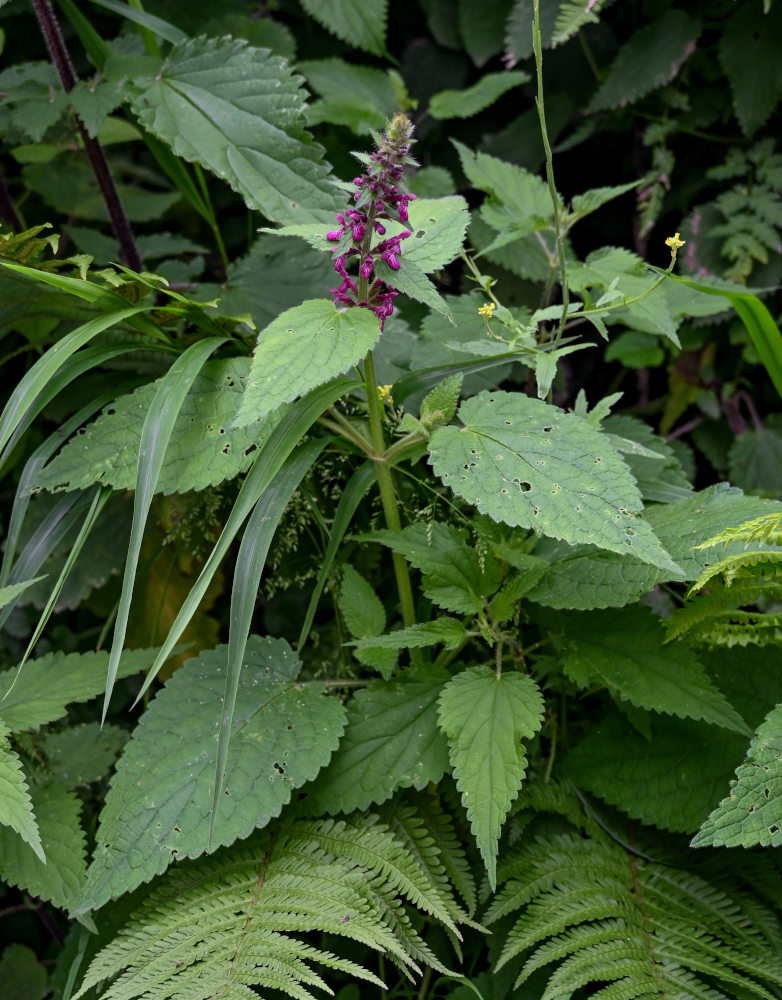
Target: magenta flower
380	194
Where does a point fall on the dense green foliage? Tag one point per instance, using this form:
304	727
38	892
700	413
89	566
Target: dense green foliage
419	635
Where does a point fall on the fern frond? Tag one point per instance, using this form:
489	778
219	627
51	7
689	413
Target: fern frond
630	928
572	16
440	828
223	924
733	566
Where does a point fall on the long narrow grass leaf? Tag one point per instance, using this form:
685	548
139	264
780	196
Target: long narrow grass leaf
48	535
354	491
428	378
298	419
79	363
32	467
45	368
163	29
759	323
102	494
155	435
256	540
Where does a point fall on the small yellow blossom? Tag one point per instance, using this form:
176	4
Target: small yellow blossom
384	393
487	310
674	242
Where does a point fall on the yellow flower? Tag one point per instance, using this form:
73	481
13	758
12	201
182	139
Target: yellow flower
487	310
384	393
674	242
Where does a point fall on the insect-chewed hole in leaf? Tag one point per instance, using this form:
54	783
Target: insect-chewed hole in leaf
177	829
226	449
535	511
524	487
774	828
250	448
598	459
550	427
280	768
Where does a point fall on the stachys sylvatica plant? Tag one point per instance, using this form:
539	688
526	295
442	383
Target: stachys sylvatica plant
351	638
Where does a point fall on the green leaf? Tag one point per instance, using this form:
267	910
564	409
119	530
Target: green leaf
751	813
758	321
755	462
749	54
48	684
481	26
93	102
572	16
81	754
361	97
448	631
23	978
485	717
59	879
156	432
650	59
671	781
360	606
452	574
412	280
584	577
588	202
13	591
468	102
204	448
625	651
528	464
438	226
272	277
360	23
391	741
651	459
294	424
239	112
300	350
16	807
250	562
157	809
33	384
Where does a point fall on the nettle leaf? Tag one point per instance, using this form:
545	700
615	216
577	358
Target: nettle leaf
749	54
45	686
754	461
751	813
391	741
650	59
360	23
300	350
672	780
448	631
205	448
481	27
528	464
272	277
438	226
583	577
518	199
158	807
21	974
60	878
360	97
468	102
452	575
239	111
81	754
485	717
625	651
365	617
16	807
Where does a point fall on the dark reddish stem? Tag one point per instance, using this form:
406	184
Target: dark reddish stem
61	60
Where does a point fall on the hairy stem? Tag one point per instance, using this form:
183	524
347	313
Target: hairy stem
55	43
550	171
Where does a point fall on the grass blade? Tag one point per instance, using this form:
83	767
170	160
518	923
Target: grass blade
256	540
50	532
428	378
759	323
298	419
76	365
33	466
46	367
163	29
102	494
354	491
155	435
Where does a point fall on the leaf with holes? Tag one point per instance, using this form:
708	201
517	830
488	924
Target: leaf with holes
300	350
391	741
751	813
485	718
528	464
205	449
159	803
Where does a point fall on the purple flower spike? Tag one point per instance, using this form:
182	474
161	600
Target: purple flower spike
380	194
